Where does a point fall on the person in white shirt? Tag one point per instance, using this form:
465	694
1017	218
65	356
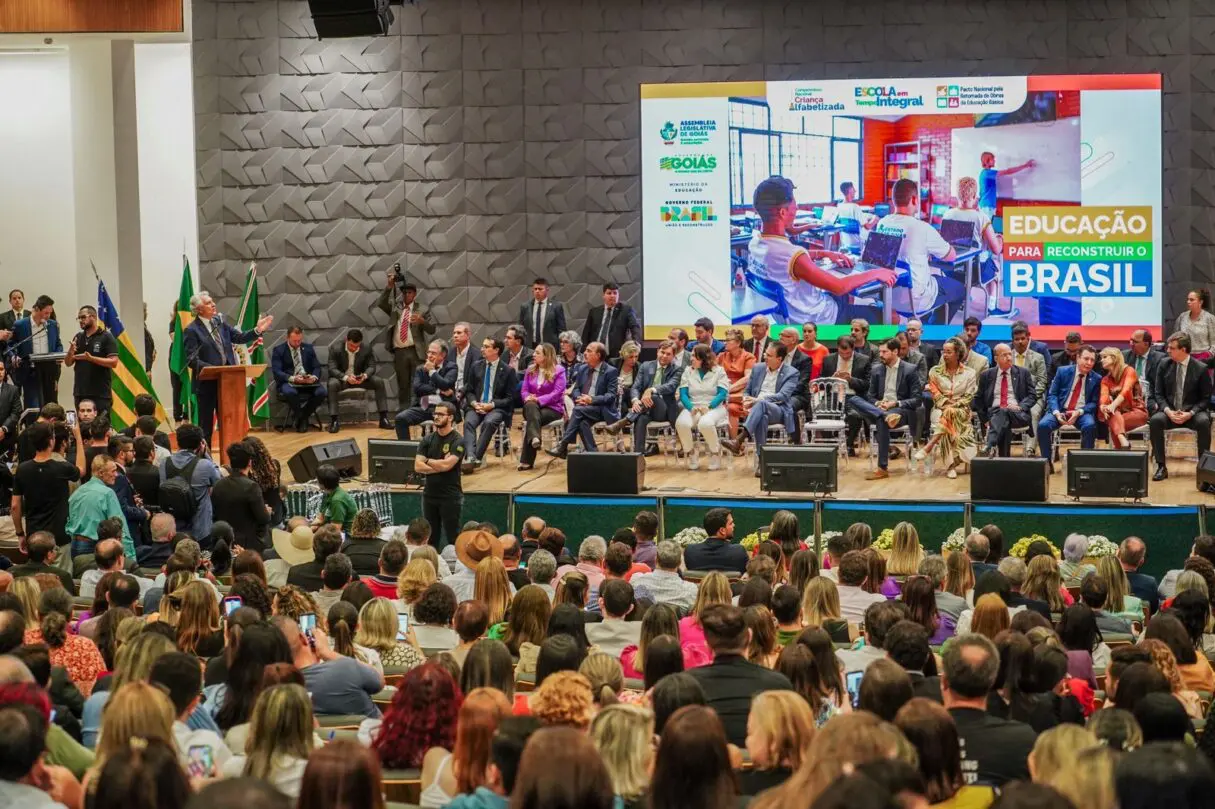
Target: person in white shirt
986	238
181	676
280	740
614	633
702	392
110	559
850	209
920	241
854	599
461	345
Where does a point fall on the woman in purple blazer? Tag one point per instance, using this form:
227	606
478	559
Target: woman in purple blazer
542	392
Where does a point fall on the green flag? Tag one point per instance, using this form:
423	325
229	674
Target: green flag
255	352
177	356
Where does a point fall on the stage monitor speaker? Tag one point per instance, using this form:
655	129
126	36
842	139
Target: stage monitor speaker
1011	480
350	18
343	454
391	461
1206	471
605	473
787	468
1107	473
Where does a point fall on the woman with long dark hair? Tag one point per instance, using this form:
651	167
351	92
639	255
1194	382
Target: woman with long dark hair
342	775
258	646
692	768
920	597
267	472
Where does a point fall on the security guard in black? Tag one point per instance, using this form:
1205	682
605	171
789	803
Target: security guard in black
439	457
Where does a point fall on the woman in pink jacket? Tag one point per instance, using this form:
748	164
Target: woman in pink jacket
543	389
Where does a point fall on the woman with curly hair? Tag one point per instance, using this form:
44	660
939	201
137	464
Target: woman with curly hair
292	602
564	698
432	616
253	594
415	578
492	588
1166	663
952	385
421	717
267	472
446	774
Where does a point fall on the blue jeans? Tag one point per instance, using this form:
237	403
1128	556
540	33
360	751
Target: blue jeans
877	416
82	548
762	414
1048	425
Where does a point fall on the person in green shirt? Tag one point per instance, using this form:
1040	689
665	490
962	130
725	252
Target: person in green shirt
787	610
337	506
93	502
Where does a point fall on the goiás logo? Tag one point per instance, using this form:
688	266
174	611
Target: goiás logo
668	133
689	164
688	132
887	96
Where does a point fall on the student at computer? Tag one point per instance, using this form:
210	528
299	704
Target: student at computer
812	294
850	209
920	241
985	237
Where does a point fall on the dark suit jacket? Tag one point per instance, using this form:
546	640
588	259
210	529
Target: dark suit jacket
283	368
24	346
145	478
932	354
307	576
644	380
859	384
205	352
429	383
1144	588
604	395
521	362
730	682
1061	386
1196	395
7	319
1059	360
364	555
471	358
238	501
804	367
389	303
503	387
749	346
364	361
10	408
908	388
551	328
1154	360
133	514
1022	390
716	554
623	327
1040	607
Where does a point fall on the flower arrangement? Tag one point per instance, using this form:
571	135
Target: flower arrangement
1022	546
751	541
1099	546
955	542
826	535
690	536
884	541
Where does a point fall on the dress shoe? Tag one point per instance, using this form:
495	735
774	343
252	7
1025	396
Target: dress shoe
1162	472
524	467
734	446
561	452
991	452
301	426
469	467
651	451
878	474
385	424
616	426
334	426
895	453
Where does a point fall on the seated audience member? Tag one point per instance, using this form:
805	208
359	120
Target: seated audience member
614	632
920	598
978	550
879	618
995	750
1132	553
280	739
936	570
692	763
342	773
79	656
717	552
471	547
417	535
179	675
415	578
541	570
42	555
432	617
885	688
787	610
715	589
326	541
730	681
931	730
906	643
1072	569
660	620
335	575
25	774
780	730
1015	571
665	585
512	555
337	684
392	562
378	631
197	621
109	559
854	598
590	561
421	718
1094	592
810	666
1178	628
258	647
471	622
821	607
1203	547
237	500
163	527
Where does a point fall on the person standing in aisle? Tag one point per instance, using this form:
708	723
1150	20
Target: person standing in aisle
439	457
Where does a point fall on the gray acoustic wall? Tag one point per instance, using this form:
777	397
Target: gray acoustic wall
484	142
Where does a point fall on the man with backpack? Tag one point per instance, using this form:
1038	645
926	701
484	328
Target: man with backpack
186	478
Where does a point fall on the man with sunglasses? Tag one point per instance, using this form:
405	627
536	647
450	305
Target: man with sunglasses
94	352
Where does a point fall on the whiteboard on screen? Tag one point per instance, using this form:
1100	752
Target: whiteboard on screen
1054	147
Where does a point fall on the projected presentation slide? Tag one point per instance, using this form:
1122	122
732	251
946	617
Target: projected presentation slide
1034	198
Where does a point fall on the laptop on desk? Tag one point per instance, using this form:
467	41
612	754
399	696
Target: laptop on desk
958	232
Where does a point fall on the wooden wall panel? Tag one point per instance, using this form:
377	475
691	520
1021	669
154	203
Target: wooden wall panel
90	16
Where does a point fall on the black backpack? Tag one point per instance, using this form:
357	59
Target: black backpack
176	495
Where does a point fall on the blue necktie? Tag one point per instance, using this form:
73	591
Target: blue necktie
485	392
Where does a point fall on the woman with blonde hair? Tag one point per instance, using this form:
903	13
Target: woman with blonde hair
1119	601
737	365
1122	405
198	627
959	575
1166	663
492	588
542	391
821	608
624	737
1074	762
378	630
280	740
28	592
564	698
780	730
906	553
628	364
136	710
1044	583
132	664
419	574
292	602
714	589
986	238
990	616
606	677
953	385
702	393
166	611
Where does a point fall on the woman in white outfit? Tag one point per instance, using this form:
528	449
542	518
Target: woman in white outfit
702	393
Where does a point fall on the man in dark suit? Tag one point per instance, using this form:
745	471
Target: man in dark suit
1146	361
36	334
1066	357
653	397
1072	400
612	324
408	333
1006	395
121	449
17	311
915	331
489	398
145	408
894	396
543	319
1132	553
10	410
238	501
208	341
143	472
433	382
518	356
595	399
1182	390
464	356
353	366
759	341
768	399
297	375
800	401
853	368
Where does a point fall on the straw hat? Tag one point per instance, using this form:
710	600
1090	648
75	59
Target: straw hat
473	546
294	547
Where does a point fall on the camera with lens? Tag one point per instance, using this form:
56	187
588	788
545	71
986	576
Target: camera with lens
398	276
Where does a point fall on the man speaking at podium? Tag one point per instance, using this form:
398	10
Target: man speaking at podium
209	340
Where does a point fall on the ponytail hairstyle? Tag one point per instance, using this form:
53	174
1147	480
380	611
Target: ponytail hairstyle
343	620
55	607
170	602
606	677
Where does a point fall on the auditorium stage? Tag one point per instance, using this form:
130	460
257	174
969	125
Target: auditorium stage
734	479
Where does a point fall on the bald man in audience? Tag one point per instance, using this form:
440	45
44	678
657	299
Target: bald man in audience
163	527
110	559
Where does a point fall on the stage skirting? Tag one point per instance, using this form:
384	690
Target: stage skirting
1168	530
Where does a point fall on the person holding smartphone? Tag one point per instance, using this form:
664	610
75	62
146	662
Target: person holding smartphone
338	685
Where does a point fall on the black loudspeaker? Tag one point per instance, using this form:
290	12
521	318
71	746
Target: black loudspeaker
350	18
787	468
390	461
1206	471
605	473
344	454
1013	480
1107	473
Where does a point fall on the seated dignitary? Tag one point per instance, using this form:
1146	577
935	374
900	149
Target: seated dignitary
653	397
593	390
767	400
894	396
1004	401
353	366
297	374
488	401
433	382
1182	392
1072	400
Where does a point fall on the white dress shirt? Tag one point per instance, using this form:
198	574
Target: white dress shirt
995	393
461	356
40	339
891	394
539	308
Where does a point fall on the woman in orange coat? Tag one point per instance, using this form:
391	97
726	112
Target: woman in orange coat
1122	406
737	364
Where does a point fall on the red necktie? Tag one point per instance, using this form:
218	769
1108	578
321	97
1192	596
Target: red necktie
759	349
1004	389
1075	397
405	325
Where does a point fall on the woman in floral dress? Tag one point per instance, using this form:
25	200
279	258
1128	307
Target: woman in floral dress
953	386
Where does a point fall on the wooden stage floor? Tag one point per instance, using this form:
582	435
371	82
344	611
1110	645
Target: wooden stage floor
735	478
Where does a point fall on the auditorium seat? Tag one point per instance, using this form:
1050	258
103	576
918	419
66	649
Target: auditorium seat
348	721
402	786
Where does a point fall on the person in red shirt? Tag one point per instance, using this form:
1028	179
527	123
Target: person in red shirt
393	558
812	348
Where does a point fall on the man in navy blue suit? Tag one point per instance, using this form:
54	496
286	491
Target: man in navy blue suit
489	397
1072	399
36	334
1004	401
653	397
297	375
595	397
209	340
895	393
768	398
434	381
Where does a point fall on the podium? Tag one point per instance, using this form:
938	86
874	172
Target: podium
232	403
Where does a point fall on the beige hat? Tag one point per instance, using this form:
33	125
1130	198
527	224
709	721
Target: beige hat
294	547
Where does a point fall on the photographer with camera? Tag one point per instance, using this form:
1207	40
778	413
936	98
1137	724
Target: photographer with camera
407	336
